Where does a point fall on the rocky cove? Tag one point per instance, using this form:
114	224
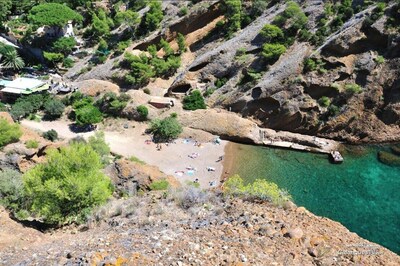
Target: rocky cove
361	193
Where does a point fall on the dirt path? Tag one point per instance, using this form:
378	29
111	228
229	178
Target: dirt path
174	159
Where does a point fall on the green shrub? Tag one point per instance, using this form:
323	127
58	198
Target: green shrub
88	115
12	195
153	17
220	82
9	132
99	145
111	104
324	101
233	14
51	135
272	52
67	185
353	88
3	107
143	111
32	144
333	110
122	46
313	64
27	105
159	185
165	129
54	108
183	11
52	14
147	91
64	45
209	92
292	19
380	60
68	62
260	189
272	33
181	43
53	57
194	101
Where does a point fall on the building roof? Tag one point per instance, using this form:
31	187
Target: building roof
4	82
24	86
25	83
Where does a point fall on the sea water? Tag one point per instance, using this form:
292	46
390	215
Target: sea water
361	193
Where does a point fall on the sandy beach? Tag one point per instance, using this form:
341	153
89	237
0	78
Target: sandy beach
185	159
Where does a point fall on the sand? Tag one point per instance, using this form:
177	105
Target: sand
172	159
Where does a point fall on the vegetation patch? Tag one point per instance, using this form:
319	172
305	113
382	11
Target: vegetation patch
9	132
68	185
259	189
159	185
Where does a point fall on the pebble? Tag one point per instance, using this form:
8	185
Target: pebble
243	258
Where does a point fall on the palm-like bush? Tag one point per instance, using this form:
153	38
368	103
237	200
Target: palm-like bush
9	58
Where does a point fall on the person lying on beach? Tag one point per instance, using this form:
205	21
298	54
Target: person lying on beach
210	169
220	159
194	155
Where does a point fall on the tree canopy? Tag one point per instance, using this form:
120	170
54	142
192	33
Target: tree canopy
53	14
166	129
88	115
68	185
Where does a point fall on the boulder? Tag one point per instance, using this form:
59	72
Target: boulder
221	123
94	87
128	177
295	233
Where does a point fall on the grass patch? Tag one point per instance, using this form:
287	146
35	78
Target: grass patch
136	160
32	144
159	185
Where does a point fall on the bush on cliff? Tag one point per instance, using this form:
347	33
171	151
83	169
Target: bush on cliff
11	189
8	132
259	189
194	101
67	185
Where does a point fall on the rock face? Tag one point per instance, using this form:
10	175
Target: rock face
128	177
286	98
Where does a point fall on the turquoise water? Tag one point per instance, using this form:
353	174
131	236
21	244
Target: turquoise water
362	193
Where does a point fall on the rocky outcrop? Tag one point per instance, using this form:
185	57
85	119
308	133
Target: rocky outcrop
222	123
94	87
129	177
150	230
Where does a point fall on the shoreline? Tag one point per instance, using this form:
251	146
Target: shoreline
229	158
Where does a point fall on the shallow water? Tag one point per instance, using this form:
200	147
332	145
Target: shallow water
362	193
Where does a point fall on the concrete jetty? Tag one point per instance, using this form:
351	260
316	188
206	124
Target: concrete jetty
295	141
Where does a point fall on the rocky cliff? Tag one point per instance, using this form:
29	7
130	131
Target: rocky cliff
192	228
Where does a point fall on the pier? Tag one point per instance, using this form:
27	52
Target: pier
295	141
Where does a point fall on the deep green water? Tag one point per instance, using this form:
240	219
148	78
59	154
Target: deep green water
362	193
